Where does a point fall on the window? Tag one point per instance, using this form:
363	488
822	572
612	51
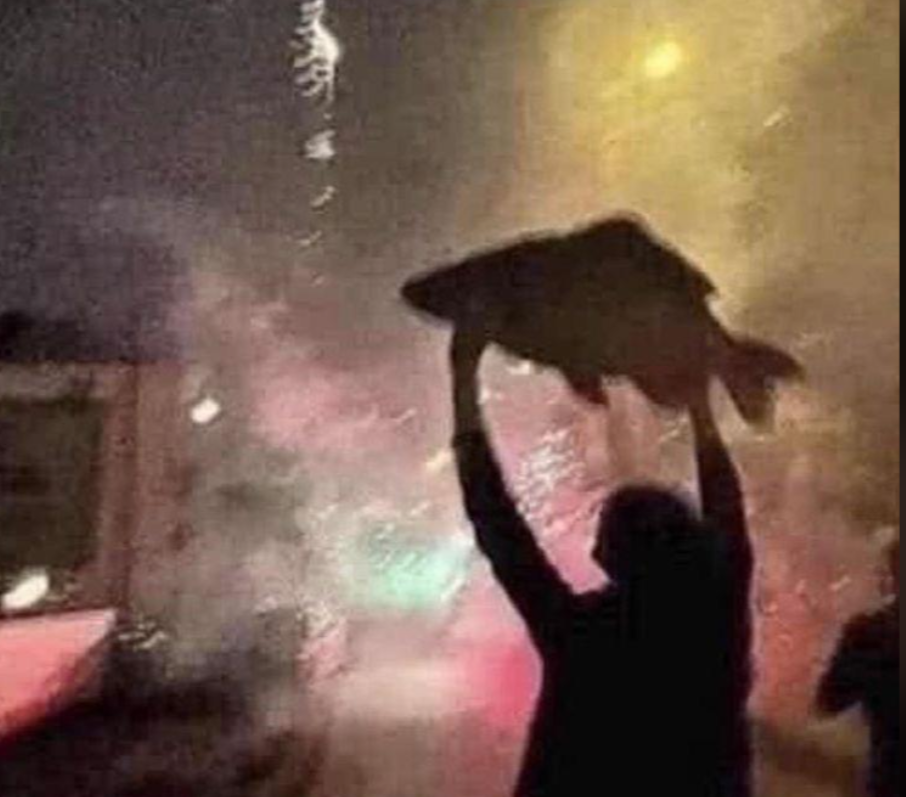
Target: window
49	455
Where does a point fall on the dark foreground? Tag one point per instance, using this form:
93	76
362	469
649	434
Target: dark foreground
186	742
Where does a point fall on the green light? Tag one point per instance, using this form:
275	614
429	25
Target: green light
399	573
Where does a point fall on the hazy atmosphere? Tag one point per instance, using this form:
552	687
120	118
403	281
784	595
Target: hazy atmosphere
240	188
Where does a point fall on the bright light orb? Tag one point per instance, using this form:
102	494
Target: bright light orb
27	592
664	61
206	411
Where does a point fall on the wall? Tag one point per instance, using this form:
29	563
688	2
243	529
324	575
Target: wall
137	495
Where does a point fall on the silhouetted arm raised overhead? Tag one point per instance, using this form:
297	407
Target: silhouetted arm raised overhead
519	563
722	495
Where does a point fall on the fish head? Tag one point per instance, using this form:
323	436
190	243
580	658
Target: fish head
441	294
450	295
417	294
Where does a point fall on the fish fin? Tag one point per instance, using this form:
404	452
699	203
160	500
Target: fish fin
753	374
589	387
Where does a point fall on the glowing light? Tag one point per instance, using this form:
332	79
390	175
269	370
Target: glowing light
399	573
523	368
321	147
310	241
324	198
206	411
26	593
318	52
439	463
779	117
664	61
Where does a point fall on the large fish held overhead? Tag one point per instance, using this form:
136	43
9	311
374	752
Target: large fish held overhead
608	301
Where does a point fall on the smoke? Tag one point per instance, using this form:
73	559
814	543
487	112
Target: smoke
823	224
325	533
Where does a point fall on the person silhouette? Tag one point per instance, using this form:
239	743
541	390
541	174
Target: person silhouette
865	673
646	682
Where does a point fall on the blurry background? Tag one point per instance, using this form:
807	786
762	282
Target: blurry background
177	190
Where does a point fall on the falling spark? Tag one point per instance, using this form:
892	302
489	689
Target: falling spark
404	418
26	593
318	53
550	465
206	411
489	396
523	368
324	198
421	510
777	118
439	463
308	242
842	584
321	147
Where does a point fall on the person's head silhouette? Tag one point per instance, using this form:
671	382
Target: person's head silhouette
650	538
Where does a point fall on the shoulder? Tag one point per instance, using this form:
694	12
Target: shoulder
602	605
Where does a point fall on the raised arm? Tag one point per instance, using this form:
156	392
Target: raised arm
722	495
520	565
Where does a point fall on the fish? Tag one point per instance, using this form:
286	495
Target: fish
606	302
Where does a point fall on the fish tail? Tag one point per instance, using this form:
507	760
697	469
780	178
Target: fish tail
753	373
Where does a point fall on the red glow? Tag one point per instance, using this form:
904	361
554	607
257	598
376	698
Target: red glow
45	663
